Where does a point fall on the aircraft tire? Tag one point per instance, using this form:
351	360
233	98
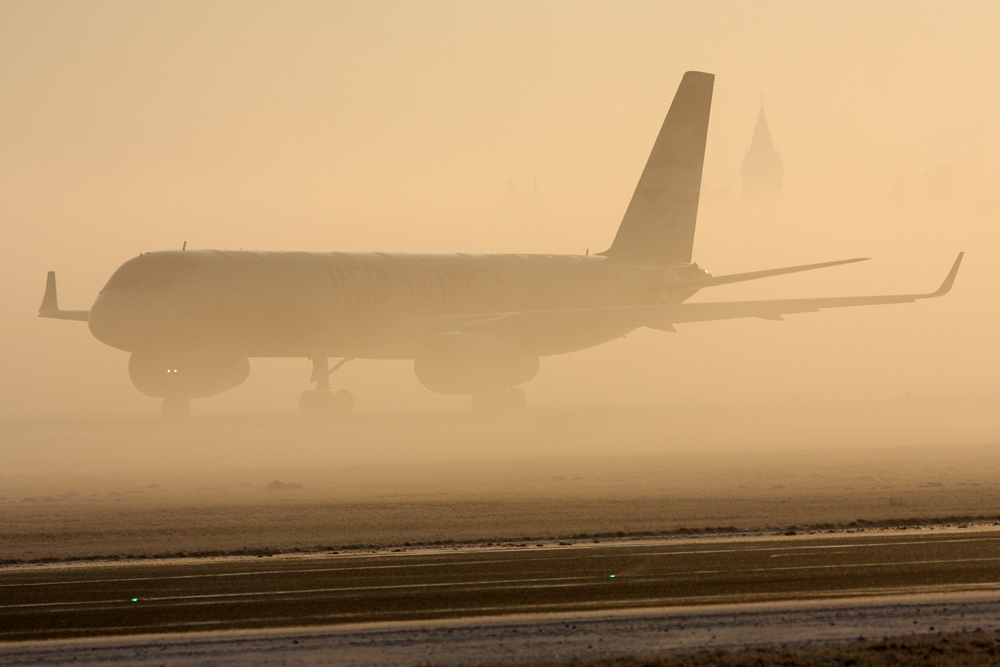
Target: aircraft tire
176	408
310	403
343	403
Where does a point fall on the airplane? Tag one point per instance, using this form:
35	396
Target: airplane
472	324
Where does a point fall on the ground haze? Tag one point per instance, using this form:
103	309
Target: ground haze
85	488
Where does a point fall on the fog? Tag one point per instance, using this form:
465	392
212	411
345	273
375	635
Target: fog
274	483
508	127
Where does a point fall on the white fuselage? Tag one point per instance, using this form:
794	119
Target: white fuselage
360	305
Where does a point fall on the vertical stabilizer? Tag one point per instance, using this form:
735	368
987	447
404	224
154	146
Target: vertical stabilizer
658	226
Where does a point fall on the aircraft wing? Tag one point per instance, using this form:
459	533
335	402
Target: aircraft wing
698	283
555	331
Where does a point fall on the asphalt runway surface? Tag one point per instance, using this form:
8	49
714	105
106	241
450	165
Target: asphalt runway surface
94	599
550	639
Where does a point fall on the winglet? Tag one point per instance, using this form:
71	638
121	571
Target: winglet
50	304
948	281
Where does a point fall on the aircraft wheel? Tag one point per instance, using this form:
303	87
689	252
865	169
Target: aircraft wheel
176	408
343	403
326	402
310	403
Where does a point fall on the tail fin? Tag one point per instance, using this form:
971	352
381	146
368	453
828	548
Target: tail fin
658	226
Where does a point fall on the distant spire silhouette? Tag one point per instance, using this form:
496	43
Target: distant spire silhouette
762	170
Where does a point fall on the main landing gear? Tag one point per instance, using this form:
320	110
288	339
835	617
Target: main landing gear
323	401
498	402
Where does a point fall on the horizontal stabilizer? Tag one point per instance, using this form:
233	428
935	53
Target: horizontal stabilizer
50	304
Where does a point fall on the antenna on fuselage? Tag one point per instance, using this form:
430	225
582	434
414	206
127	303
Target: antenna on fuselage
184	246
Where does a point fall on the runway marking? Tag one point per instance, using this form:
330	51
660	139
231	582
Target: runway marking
793	547
651	602
834	566
473	584
256	573
535	581
466	563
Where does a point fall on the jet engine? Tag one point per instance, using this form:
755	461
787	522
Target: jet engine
166	376
465	364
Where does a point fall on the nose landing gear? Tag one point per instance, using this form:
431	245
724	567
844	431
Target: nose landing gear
323	401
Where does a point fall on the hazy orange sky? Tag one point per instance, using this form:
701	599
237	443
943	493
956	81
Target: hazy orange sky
129	127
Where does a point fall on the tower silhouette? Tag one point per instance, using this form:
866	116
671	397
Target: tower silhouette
762	170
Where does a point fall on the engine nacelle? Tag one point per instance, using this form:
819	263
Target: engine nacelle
165	376
464	364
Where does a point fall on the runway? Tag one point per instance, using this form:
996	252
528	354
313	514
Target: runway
87	600
121	506
551	639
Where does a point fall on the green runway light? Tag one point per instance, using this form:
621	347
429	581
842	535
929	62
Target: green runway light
612	576
135	599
